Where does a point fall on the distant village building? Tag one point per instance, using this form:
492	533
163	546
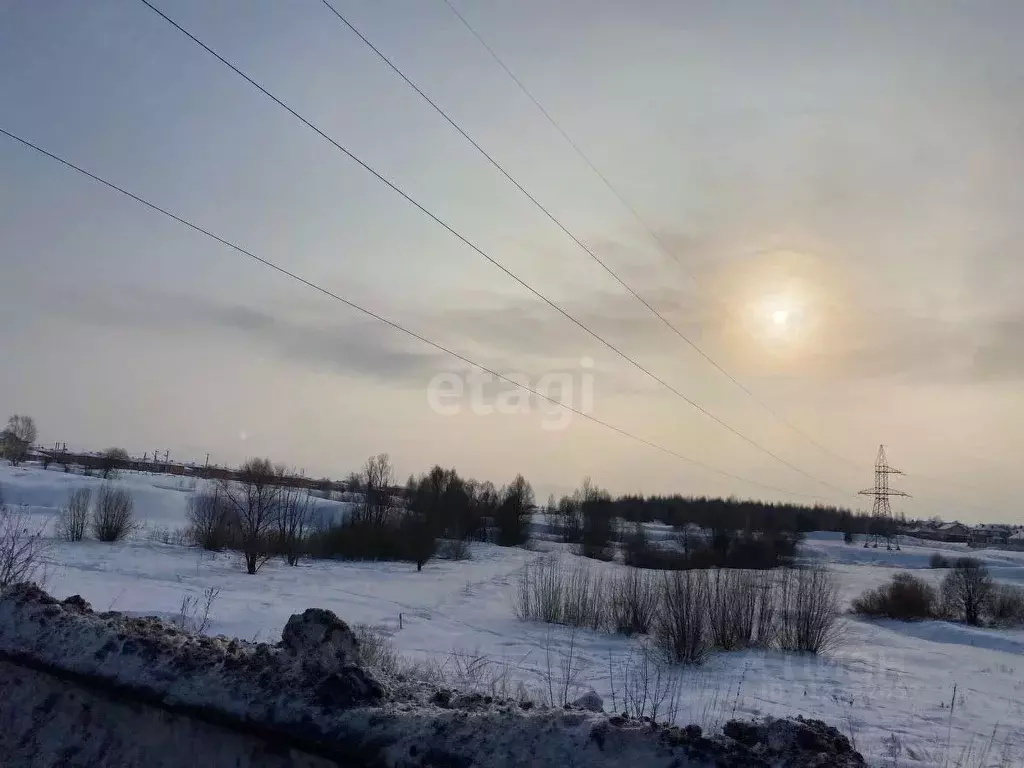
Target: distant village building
955	532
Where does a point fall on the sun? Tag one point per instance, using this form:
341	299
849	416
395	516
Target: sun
780	317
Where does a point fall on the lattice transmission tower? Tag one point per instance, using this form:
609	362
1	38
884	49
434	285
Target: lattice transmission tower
883	524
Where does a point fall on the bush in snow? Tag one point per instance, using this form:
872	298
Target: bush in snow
906	597
966	590
1006	606
209	520
376	652
454	549
584	598
539	592
633	601
736	618
551	593
681	629
73	518
938	560
808	610
113	514
21	546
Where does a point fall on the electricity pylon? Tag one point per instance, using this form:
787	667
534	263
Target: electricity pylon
883	526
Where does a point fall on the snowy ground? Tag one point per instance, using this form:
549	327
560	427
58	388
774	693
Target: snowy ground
889	687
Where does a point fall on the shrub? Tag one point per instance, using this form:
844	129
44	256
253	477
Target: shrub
583	598
394	537
539	592
113	514
636	548
209	520
905	597
633	602
966	590
938	560
767	627
194	612
551	593
848	537
173	537
376	652
680	630
732	605
808	610
1006	606
21	547
454	549
73	519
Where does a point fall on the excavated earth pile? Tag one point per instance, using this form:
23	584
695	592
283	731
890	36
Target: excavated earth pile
79	688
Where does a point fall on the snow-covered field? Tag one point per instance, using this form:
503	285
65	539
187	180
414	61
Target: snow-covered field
889	686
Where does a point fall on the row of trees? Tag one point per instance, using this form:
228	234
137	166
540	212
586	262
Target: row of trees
17	438
261	517
967	593
595	522
737	514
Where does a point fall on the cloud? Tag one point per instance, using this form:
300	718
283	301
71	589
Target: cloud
357	347
933	350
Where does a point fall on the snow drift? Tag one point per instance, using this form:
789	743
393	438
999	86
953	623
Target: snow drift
307	696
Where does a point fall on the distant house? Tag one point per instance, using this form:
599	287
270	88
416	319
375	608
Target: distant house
955	532
991	534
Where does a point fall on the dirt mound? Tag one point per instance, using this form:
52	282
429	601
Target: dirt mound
309	693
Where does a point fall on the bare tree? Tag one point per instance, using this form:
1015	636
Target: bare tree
254	501
376	482
294	516
966	590
21	546
570	520
514	513
73	519
112	460
17	438
113	514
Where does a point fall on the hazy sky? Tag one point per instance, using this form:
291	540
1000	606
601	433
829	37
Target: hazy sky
838	186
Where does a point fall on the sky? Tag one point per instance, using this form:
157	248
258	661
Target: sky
822	200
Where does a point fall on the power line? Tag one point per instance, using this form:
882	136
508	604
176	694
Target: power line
380	318
618	196
479	251
451	121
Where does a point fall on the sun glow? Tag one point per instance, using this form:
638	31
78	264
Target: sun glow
781	301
